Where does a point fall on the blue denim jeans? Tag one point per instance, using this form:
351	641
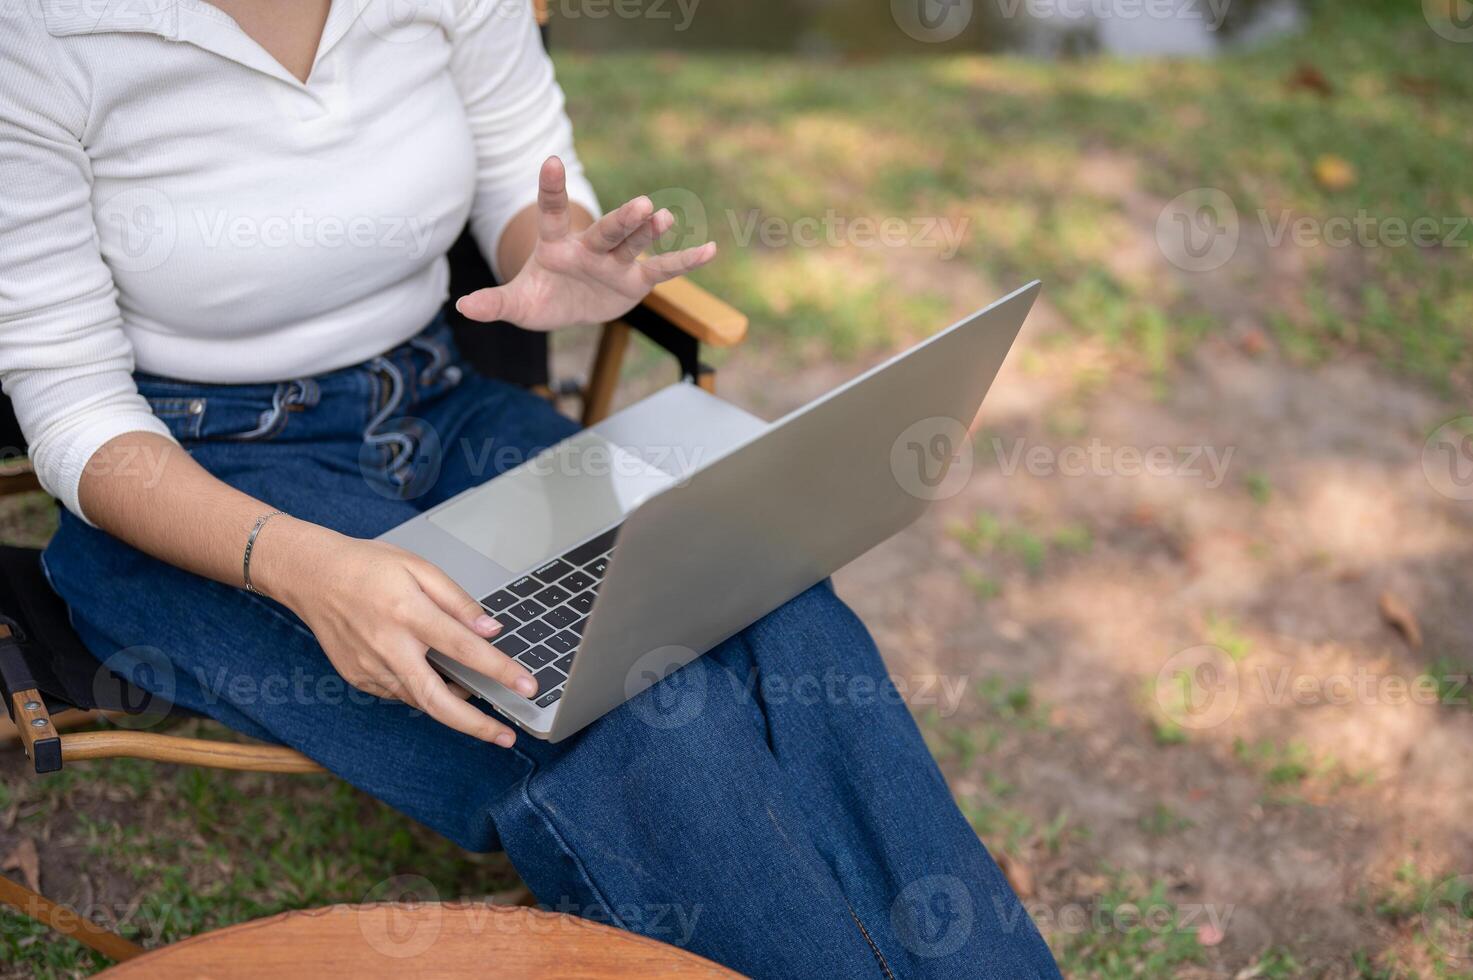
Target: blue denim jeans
772	806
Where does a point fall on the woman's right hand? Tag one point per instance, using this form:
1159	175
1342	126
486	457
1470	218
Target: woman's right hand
377	610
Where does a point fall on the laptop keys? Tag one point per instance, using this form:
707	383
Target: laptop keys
538	656
547	678
507	620
551	596
560	617
498	601
511	645
563	642
525	586
535	632
547	699
553	570
565	664
597	569
583	603
575	583
528	609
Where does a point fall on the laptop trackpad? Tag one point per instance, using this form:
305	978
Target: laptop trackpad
550	503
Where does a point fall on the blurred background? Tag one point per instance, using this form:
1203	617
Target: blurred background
1192	641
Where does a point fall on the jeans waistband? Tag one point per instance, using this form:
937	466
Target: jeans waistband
353	401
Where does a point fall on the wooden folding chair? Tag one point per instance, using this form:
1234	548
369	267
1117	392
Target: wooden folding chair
46	671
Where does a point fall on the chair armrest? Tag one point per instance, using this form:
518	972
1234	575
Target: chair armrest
685	305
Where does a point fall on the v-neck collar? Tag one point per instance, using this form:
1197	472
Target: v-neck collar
198	23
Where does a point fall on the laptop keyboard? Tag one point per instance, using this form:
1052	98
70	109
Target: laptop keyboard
543	613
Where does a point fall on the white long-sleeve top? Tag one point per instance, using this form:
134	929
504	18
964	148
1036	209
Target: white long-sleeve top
172	198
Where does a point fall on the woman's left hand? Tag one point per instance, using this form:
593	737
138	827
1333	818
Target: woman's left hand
590	276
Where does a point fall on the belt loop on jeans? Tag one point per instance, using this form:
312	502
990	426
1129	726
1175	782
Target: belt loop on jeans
302	392
387	370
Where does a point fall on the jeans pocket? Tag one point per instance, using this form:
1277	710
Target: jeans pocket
183	415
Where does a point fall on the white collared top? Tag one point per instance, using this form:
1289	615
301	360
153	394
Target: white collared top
171	196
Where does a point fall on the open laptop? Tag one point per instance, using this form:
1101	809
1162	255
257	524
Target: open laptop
628	550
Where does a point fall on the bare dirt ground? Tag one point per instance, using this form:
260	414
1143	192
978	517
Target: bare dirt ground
1303	798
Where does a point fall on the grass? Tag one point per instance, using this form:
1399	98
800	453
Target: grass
1054	170
1128	934
1006	148
206	848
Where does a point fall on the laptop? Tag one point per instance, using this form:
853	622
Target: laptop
628	550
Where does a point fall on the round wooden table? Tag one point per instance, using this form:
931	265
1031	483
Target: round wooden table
418	939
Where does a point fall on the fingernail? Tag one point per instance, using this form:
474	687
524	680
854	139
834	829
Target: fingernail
460	306
505	740
485	624
526	686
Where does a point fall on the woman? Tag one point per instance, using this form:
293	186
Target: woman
248	204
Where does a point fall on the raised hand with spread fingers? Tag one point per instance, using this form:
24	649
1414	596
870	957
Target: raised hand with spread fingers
587	276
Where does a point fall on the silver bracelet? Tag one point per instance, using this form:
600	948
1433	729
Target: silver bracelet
245	562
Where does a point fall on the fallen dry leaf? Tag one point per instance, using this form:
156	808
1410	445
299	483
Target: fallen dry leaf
1018	874
1397	613
27	861
1334	173
1310	78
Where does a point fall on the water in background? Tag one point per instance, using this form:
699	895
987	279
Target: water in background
1043	28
